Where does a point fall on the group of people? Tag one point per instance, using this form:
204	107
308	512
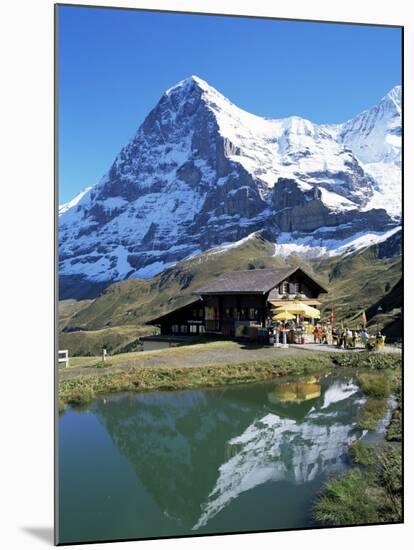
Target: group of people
346	337
343	337
323	334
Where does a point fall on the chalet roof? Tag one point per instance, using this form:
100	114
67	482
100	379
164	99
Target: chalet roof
251	281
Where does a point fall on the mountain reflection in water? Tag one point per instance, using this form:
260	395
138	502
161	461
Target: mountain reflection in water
276	448
197	451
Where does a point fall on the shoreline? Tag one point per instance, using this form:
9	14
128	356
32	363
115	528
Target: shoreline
371	492
82	389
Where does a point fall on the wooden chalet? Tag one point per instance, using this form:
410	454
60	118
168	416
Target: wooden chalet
239	303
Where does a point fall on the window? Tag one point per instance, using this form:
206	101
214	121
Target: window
228	313
200	313
202	329
175	329
183	328
212	313
253	314
285	287
193	329
293	288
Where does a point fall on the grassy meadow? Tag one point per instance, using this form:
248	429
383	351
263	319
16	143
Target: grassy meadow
116	319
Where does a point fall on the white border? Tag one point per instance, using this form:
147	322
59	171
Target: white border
26	228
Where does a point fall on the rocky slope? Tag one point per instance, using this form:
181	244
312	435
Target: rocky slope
200	173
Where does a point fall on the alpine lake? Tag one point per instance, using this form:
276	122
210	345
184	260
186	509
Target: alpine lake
231	459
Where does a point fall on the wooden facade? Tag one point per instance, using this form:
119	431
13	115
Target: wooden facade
225	312
188	320
239	303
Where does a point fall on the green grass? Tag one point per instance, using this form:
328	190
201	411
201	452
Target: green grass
348	500
394	431
91	342
389	476
373	411
142	358
377	387
369	361
374	385
358	281
362	454
372	495
69	308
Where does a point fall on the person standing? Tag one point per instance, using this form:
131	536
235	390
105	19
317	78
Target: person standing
364	336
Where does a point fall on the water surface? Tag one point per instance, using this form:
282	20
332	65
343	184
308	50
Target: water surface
241	458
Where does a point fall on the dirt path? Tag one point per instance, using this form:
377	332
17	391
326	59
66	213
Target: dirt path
215	353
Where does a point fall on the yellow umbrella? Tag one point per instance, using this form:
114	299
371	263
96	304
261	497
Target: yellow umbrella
283	316
312	313
297	392
299	308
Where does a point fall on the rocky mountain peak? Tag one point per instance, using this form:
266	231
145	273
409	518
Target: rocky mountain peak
189	85
394	97
201	172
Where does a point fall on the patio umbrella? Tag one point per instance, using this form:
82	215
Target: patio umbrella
312	313
283	316
299	308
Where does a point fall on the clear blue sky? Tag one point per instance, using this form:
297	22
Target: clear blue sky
114	65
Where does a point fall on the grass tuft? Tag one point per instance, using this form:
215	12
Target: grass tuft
347	500
362	454
370	496
372	412
374	384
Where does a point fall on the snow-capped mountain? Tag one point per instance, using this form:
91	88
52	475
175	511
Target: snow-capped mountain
200	172
374	136
73	202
